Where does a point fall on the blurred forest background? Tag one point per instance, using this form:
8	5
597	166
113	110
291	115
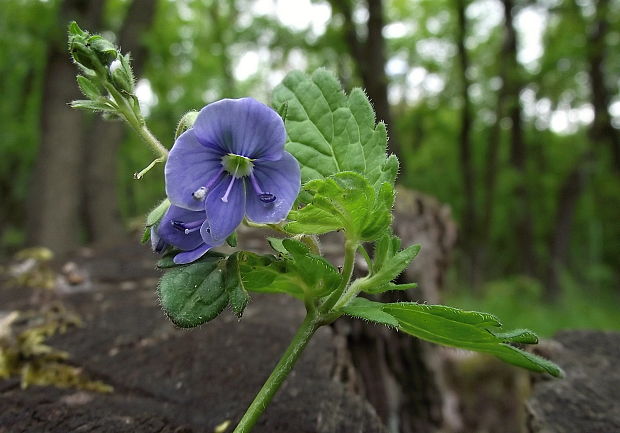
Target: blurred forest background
507	110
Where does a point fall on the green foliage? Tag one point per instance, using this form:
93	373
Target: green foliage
344	201
457	328
329	132
297	272
194	294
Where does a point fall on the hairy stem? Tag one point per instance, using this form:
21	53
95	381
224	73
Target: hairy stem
347	271
137	123
279	374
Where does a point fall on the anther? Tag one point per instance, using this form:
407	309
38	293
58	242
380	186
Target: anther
200	193
267	197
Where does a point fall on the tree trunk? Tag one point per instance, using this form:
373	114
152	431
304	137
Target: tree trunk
468	221
104	137
491	168
55	192
600	131
518	152
369	58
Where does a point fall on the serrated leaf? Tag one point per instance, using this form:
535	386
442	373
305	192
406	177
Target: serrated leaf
344	201
329	132
394	265
373	138
523	336
466	330
365	309
194	294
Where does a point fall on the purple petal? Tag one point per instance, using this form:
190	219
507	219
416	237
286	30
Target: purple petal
175	237
223	217
189	256
190	165
281	178
244	127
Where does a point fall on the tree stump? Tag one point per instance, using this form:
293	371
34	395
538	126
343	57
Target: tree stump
588	398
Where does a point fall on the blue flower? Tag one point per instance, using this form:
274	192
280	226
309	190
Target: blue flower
230	164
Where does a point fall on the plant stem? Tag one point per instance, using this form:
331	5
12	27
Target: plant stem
347	271
136	121
278	375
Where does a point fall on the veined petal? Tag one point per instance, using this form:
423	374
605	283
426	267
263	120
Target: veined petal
244	127
224	216
281	178
189	256
176	237
190	166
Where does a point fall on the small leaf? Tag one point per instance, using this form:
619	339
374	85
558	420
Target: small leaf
157	213
194	294
523	336
389	286
235	285
276	245
368	310
88	87
232	240
344	201
391	267
100	105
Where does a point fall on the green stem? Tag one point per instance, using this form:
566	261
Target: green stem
347	271
279	373
136	121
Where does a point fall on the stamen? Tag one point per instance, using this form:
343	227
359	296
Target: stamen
265	197
225	197
201	192
187	228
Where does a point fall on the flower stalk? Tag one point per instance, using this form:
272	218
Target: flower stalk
282	369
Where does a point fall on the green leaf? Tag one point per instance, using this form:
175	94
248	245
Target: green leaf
235	285
467	330
194	294
157	213
368	310
392	266
232	240
457	328
88	87
374	290
329	132
100	105
344	201
298	272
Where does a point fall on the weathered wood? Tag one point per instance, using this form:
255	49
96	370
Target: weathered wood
588	398
172	380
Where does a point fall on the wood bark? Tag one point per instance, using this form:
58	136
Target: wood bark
103	217
369	58
523	222
55	191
